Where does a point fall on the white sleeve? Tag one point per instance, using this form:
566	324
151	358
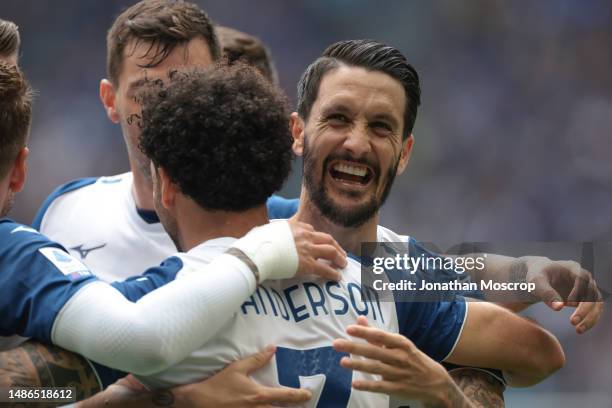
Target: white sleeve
159	330
164	326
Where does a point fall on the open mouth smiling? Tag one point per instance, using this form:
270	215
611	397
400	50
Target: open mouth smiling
351	173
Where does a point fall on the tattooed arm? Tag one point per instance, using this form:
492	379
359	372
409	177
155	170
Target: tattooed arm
481	388
35	364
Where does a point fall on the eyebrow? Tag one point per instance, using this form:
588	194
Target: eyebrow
386	117
336	107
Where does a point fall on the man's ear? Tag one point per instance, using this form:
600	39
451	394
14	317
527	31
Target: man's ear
167	189
108	96
297	131
405	154
20	171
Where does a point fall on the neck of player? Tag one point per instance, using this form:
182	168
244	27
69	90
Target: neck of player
142	190
349	238
196	225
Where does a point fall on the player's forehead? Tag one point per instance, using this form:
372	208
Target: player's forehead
137	55
358	89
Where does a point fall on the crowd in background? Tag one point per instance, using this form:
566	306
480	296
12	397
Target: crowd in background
512	138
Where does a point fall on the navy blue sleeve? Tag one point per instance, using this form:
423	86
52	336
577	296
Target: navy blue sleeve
37	277
63	189
434	327
136	287
281	208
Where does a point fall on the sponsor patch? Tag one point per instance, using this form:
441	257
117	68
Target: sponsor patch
66	263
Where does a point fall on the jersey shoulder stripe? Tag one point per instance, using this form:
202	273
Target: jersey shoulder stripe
61	190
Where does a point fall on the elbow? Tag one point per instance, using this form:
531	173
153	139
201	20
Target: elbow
149	363
555	358
547	357
149	357
145	353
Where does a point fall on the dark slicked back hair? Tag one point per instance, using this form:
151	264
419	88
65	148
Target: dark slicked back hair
15	114
9	39
164	24
221	135
371	55
239	46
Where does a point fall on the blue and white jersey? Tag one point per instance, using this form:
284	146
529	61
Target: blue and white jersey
37	277
97	220
302	317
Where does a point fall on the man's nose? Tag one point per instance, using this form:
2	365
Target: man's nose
357	141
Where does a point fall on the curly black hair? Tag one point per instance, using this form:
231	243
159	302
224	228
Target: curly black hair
221	134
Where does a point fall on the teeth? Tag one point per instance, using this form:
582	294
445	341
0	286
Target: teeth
354	170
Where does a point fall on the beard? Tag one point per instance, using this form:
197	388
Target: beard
7	205
352	217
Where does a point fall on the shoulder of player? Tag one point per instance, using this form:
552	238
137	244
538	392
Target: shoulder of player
79	191
15	236
203	254
281	208
23	244
387	235
416	247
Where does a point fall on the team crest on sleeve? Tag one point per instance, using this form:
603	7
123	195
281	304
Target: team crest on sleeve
66	263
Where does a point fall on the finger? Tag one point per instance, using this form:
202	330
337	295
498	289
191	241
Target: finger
330	253
324	270
281	395
254	362
373	367
591	318
547	293
581	312
382	387
581	287
363	321
385	355
304	225
323	238
378	336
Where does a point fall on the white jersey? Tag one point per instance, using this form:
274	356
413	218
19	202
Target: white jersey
302	317
97	221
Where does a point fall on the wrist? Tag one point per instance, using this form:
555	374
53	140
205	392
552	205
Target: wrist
183	395
271	249
443	393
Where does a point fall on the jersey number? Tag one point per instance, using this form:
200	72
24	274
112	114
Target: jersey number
292	364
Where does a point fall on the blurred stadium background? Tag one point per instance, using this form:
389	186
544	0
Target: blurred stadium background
513	140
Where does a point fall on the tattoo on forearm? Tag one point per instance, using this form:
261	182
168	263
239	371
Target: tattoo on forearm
454	398
482	389
518	271
34	364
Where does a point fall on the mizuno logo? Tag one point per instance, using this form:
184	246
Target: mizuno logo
83	252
